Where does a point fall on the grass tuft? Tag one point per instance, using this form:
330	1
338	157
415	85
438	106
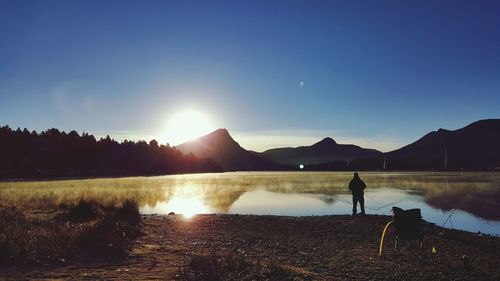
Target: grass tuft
112	234
84	231
85	210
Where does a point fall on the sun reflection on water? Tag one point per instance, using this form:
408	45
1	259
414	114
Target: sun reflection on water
188	206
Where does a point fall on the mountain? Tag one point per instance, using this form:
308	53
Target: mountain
326	150
221	147
476	146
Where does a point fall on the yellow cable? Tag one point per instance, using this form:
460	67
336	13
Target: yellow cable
382	238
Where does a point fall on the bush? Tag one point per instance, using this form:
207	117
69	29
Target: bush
85	210
29	241
111	235
83	231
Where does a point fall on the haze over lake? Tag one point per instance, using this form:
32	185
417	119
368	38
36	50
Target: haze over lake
475	196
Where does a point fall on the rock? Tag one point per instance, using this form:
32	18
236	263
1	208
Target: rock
465	261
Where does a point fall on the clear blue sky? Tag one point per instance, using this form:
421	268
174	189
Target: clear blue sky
381	73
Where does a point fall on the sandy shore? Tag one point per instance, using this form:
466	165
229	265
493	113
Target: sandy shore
219	247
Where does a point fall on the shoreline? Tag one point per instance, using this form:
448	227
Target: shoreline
490	171
247	247
429	223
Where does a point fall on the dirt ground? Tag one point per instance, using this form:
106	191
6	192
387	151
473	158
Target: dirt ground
235	247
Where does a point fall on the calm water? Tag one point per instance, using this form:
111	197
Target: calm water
472	197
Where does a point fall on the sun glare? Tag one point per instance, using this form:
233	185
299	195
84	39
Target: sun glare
187	206
187	125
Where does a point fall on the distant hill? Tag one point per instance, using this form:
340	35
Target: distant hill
326	150
53	154
476	146
221	147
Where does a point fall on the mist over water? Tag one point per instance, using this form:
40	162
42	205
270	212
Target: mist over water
475	196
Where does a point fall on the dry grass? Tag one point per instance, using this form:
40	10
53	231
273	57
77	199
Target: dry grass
80	232
24	240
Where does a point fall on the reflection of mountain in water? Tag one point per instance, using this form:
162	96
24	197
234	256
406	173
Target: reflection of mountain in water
481	203
222	201
328	199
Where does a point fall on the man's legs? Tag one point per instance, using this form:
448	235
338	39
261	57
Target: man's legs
362	203
354	203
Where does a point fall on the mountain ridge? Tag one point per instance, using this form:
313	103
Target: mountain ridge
52	154
221	147
326	150
475	146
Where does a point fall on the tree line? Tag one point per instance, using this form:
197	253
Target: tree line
53	153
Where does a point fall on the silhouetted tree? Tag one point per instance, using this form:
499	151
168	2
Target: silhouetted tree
53	153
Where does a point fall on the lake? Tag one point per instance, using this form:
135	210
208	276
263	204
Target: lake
472	199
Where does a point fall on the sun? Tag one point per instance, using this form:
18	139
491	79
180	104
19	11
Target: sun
187	125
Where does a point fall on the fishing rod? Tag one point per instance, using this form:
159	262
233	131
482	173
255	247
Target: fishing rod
376	201
434	251
449	218
384	206
379	204
378	208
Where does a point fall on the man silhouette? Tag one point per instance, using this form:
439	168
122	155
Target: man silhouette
357	187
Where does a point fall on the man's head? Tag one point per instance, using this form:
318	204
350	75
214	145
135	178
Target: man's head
356	175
